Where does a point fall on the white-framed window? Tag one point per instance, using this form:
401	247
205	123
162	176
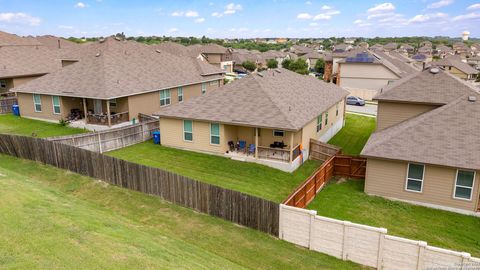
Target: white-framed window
3	84
215	133
204	88
188	130
278	133
319	122
56	104
37	103
180	94
464	183
113	102
326	118
415	175
165	97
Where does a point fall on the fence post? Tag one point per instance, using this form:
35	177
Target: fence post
465	260
381	241
312	213
346	224
100	143
421	253
280	222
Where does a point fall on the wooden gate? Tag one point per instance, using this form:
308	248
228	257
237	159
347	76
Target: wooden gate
349	166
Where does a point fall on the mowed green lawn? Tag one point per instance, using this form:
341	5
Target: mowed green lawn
54	219
250	178
353	137
347	201
11	124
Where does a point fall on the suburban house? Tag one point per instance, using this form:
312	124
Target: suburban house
312	58
461	49
214	54
406	49
457	67
22	60
300	50
365	73
443	51
376	47
278	56
390	46
114	81
426	148
242	55
267	117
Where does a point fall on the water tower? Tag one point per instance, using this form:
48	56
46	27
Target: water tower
465	35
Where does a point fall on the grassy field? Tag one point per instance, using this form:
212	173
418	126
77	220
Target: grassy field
353	137
251	178
54	219
22	126
347	201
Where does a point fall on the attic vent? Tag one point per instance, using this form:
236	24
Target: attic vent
434	70
472	98
260	74
98	54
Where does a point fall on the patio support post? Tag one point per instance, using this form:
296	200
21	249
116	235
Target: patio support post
108	114
291	146
85	110
256	142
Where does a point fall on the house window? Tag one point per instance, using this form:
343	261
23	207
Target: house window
336	109
165	97
204	88
326	118
37	102
180	94
113	102
278	133
188	130
215	133
3	84
319	123
464	185
415	176
56	104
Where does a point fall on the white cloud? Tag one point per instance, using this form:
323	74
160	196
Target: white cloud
325	7
200	20
441	3
464	17
232	8
423	18
191	13
65	27
358	21
217	14
382	8
20	18
80	5
313	24
172	30
304	16
322	16
474	6
188	13
177	13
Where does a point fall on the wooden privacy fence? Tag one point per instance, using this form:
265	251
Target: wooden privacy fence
349	166
322	151
370	246
228	204
6	104
111	139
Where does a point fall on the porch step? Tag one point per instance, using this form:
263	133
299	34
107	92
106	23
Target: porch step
239	158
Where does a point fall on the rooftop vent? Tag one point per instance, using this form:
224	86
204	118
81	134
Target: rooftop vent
260	74
434	70
472	98
98	55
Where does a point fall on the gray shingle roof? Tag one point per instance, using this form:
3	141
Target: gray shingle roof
275	99
17	61
7	39
457	63
114	68
445	136
426	87
55	43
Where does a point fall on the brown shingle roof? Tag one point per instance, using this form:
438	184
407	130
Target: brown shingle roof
426	87
445	136
7	39
173	48
273	99
113	68
55	43
17	61
457	63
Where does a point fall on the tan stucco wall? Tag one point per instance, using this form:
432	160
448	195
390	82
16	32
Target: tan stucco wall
365	76
21	80
387	178
390	113
214	58
25	101
150	102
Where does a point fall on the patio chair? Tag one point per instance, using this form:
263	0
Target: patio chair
251	149
242	145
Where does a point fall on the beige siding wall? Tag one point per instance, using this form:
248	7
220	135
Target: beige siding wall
171	133
390	113
22	80
388	178
214	58
25	101
365	76
69	103
150	102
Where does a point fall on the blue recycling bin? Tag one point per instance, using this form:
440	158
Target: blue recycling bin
156	137
16	110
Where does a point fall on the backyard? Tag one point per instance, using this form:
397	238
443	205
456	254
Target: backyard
347	201
55	219
250	178
10	124
353	137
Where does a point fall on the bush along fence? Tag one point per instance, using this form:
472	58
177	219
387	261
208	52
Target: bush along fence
365	245
111	139
231	205
6	104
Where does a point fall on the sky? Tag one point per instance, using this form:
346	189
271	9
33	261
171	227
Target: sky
241	18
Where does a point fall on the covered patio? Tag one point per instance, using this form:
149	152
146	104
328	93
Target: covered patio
106	112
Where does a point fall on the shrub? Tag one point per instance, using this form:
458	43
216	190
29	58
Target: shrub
272	63
249	65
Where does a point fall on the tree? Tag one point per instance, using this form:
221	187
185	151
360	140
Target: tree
299	64
320	66
249	65
272	63
286	63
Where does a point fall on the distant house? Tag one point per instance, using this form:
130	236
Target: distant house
406	49
300	50
443	51
457	67
461	49
364	74
376	47
239	56
340	48
278	56
426	148
114	81
266	117
312	58
390	46
214	54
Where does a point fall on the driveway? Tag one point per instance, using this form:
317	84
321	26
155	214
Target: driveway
370	109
